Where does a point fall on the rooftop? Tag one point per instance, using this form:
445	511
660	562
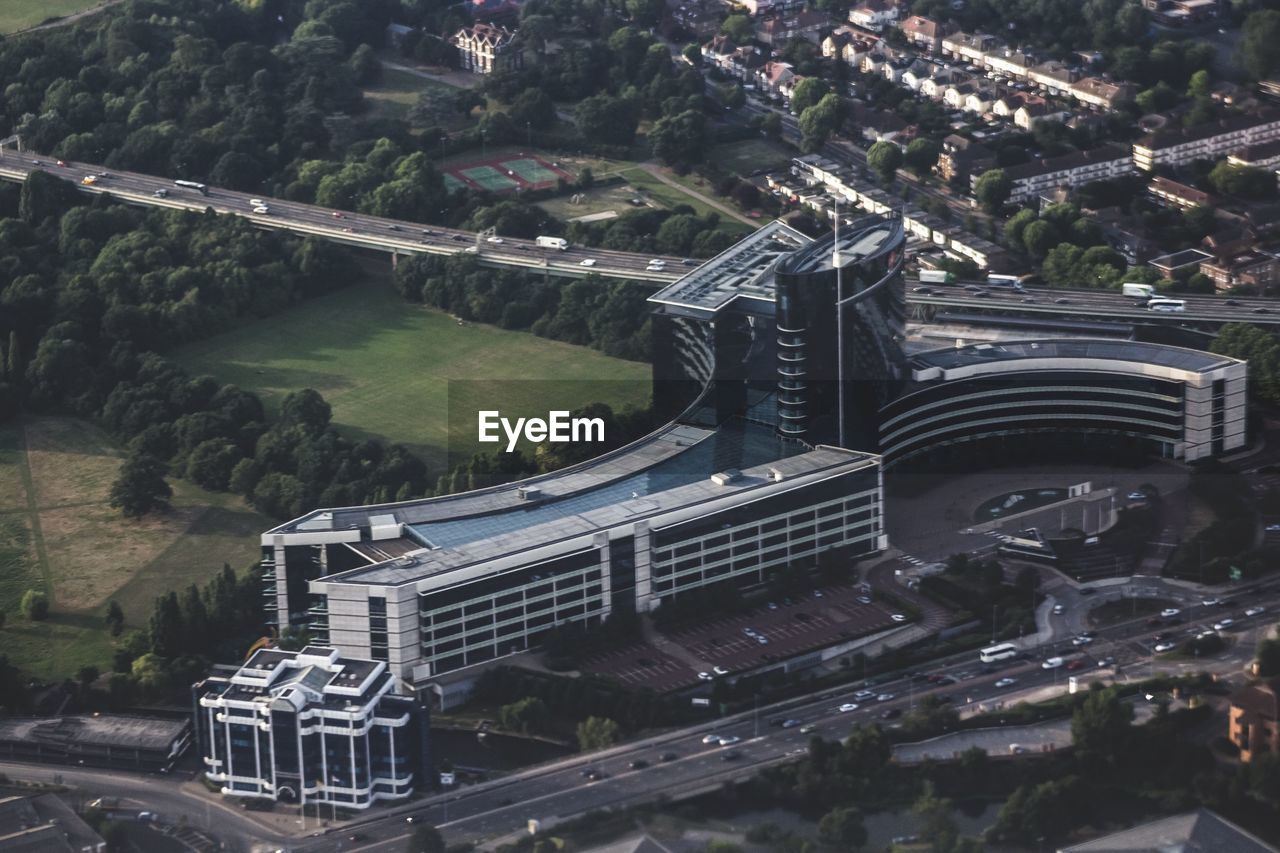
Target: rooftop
862	239
1177	136
740	271
1201	831
1132	351
43	824
1074	160
683	481
103	730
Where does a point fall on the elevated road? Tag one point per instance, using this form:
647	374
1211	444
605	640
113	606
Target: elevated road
401	237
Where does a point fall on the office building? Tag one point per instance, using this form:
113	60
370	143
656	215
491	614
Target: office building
310	727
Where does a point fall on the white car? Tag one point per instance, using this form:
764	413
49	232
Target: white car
864	599
1224	624
898	617
1137	496
848	706
1169	612
1254	611
705	676
262	208
657	265
1273	528
710	739
884	697
750	632
256	202
1006	682
729	740
1209	602
587	262
1052	663
719	670
1165	647
864	695
762	639
1058	610
494	239
1081	641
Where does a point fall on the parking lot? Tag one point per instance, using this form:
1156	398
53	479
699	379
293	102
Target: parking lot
789	626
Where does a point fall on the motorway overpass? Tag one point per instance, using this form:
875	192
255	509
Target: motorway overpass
401	237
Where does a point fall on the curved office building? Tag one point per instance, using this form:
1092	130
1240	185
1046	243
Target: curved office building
1163	400
841	317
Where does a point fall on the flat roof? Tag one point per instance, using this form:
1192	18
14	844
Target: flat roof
1166	356
102	730
739	271
860	240
683	485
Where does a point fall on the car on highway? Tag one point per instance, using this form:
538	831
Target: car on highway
1081	640
864	695
427	232
494	239
864	599
710	739
1137	496
667	756
689	262
773	605
1254	611
337	214
898	617
1076	664
587	262
719	670
37	163
982	294
62	164
729	740
1261	311
1273	528
884	697
705	676
809	728
638	764
924	290
1006	682
972	288
1170	611
731	755
817	593
1062	300
1224	624
891	714
1210	601
848	707
790	724
1059	609
1230	302
393	227
597	775
1165	646
1052	663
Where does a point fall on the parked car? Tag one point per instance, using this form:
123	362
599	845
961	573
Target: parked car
898	617
719	670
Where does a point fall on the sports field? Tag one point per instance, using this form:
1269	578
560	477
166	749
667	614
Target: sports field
58	534
21	14
390	369
504	173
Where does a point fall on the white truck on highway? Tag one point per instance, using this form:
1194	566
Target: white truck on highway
1137	291
936	277
553	243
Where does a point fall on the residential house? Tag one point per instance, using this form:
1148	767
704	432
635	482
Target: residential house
985	254
874	15
955	93
972	48
1246	269
486	48
960	157
925	33
1053	76
1176	147
833	45
807	24
1029	180
979	100
773	76
702	20
767	7
1200	831
1179	13
876	125
1034	110
1099	93
914	75
1254	720
718	51
1006	106
1179	263
1014	64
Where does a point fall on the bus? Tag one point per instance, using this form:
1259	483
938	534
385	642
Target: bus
192	185
1161	304
1000	651
1013	281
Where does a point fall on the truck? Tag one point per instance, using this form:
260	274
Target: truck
553	243
1137	291
936	277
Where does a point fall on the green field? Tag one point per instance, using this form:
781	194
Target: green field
398	91
20	14
59	535
747	155
390	369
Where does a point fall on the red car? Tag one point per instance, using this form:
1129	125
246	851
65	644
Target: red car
60	163
1078	663
337	215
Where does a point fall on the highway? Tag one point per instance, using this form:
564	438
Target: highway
353	229
564	789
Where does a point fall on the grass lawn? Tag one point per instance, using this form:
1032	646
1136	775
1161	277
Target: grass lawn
390	369
747	155
398	91
669	196
21	14
58	534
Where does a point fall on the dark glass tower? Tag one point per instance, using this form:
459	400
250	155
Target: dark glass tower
841	316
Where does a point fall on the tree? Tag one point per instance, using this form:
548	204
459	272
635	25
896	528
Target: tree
148	671
807	93
166	634
738	28
526	716
425	839
1016	225
843	827
884	158
992	189
937	826
1100	727
1244	182
140	487
597	733
604	118
1260	46
820	121
1039	237
680	138
365	65
114	618
306	409
921	155
35	605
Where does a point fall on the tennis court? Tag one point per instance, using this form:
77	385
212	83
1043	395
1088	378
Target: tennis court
489	178
452	184
531	171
